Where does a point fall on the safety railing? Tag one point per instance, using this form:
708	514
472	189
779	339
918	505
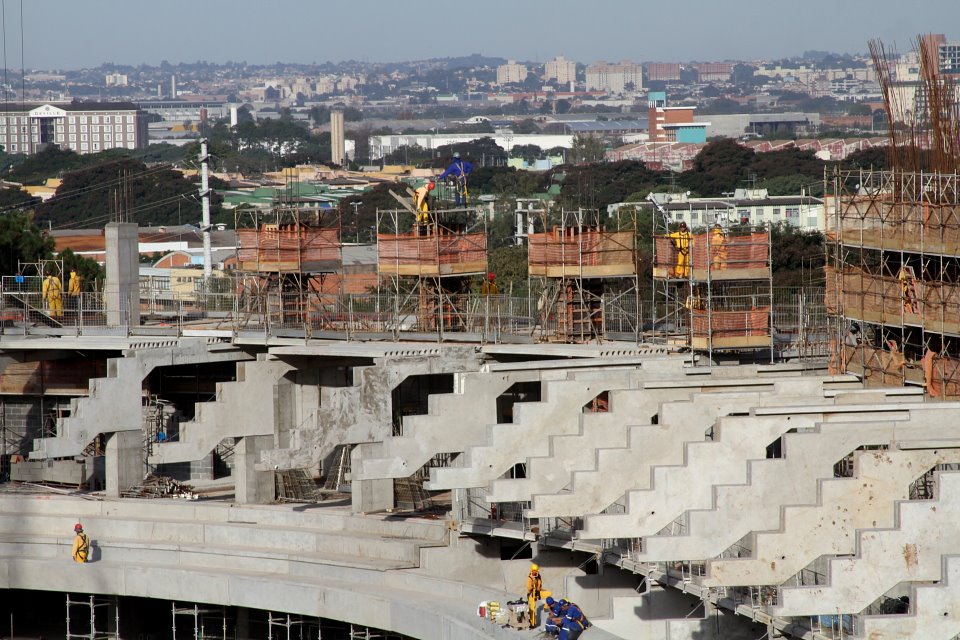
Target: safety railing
385	315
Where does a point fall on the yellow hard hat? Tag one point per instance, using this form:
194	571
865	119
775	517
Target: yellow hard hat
534	567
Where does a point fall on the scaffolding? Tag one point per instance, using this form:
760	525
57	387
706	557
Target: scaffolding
428	261
99	620
585	266
288	259
208	624
713	289
291	627
893	277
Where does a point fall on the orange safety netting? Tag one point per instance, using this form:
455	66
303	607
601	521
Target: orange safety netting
908	225
566	246
889	296
287	244
750	251
749	322
451	248
884	367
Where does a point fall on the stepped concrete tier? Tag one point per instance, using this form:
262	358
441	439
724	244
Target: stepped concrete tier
933	610
324	563
616	471
245	407
506	444
773	484
912	551
827	526
474	403
724	460
610	430
114	403
361	412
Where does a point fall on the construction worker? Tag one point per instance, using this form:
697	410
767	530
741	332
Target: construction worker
489	286
907	289
553	612
421	199
81	544
574	623
681	242
73	291
534	593
52	293
718	247
458	171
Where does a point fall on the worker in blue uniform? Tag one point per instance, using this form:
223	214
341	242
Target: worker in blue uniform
574	622
553	615
458	170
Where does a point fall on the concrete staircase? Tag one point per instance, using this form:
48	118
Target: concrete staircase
474	406
507	444
245	407
932	614
773	484
618	470
912	551
676	489
826	528
115	402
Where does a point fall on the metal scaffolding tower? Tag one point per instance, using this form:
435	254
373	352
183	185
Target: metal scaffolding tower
208	624
99	618
585	266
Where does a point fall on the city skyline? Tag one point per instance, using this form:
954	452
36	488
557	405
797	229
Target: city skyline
94	32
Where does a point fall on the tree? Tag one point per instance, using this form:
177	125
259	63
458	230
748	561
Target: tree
21	241
719	167
509	263
90	272
586	149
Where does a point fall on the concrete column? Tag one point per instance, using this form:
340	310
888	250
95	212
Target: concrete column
252	486
123	274
367	496
124	461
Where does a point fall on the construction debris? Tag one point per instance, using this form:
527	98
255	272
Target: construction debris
296	485
160	487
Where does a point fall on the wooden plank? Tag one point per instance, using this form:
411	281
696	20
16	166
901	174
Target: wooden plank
403	202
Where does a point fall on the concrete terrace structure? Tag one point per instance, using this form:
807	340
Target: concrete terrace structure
669	496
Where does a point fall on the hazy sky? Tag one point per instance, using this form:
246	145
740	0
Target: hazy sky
71	34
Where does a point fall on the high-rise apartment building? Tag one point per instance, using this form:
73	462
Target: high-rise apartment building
561	70
84	127
662	71
511	73
614	78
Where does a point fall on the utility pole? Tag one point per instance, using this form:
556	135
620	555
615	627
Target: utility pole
205	201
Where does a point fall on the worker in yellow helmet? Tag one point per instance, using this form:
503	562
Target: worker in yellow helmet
535	592
681	242
52	292
718	247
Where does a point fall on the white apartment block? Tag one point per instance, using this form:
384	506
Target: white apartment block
84	127
614	78
560	69
511	73
116	80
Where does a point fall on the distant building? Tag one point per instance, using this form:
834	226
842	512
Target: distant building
672	124
511	73
561	70
747	206
85	127
115	80
614	78
662	71
714	71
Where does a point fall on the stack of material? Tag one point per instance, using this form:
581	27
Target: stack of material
296	485
160	487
